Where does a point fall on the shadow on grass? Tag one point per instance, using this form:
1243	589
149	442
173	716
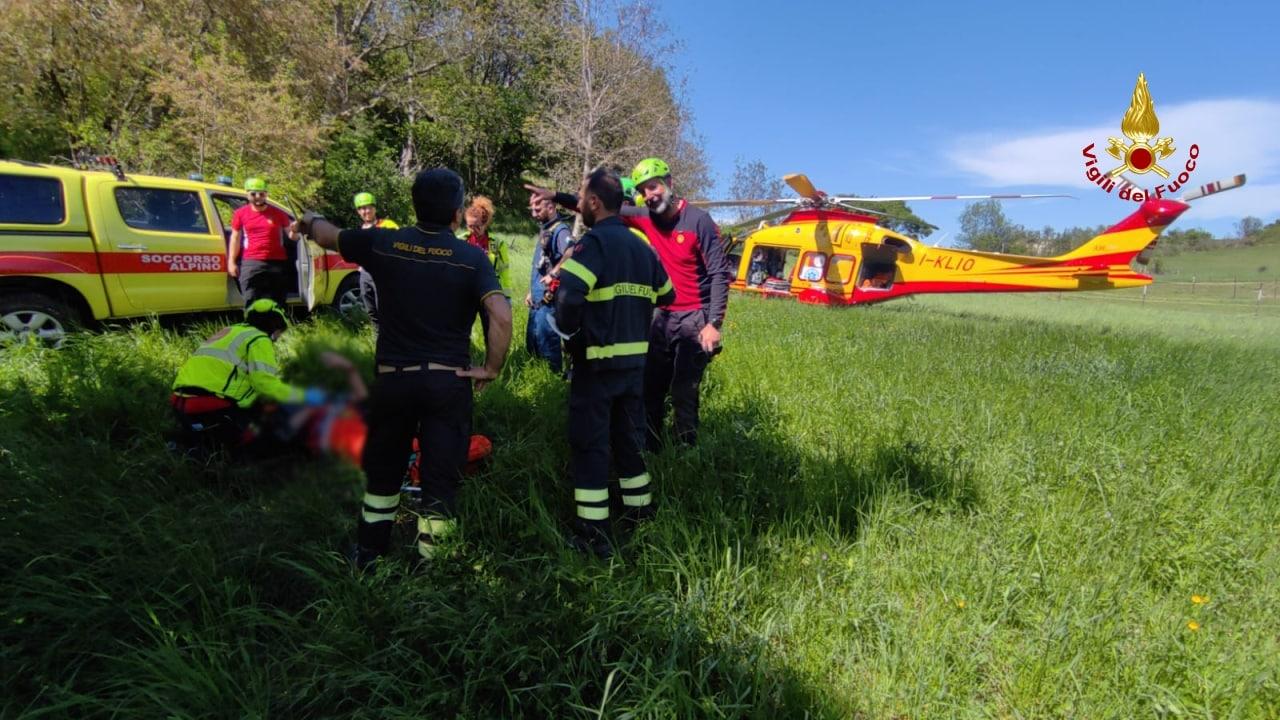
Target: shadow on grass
133	585
750	472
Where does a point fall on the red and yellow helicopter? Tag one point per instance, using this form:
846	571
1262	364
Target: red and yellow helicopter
829	251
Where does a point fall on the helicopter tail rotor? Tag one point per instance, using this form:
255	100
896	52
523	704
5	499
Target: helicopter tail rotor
1213	188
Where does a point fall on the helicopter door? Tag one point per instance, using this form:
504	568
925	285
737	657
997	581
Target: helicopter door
879	267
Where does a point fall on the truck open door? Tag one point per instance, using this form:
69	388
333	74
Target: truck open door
312	273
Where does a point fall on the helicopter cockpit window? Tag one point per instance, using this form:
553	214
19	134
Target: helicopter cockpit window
767	263
814	267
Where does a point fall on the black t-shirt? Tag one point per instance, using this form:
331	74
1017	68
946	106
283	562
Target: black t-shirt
430	284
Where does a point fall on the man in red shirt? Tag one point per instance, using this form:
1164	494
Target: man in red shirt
256	254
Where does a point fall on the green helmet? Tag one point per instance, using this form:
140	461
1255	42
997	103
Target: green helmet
628	187
255	183
264	306
363	199
648	169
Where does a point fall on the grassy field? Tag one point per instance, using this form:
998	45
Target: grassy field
1001	506
1254	263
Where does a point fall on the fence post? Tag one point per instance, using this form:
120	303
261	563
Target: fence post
1193	284
1235	281
1144	294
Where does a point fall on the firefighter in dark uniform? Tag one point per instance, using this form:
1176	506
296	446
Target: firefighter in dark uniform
686	335
606	297
431	286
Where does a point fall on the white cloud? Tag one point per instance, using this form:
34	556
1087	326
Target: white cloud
1234	135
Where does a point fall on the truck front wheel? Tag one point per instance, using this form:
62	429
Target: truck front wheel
27	317
347	300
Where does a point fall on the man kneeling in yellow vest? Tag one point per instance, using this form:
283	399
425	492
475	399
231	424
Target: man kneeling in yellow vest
219	394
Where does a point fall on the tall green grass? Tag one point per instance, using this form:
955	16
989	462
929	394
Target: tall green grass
951	507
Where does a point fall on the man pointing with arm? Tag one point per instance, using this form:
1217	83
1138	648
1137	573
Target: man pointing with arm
431	285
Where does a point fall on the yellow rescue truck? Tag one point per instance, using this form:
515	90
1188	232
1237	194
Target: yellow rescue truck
81	246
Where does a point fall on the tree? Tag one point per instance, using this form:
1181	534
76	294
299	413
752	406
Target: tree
1176	241
606	99
897	216
1248	227
752	180
241	86
983	226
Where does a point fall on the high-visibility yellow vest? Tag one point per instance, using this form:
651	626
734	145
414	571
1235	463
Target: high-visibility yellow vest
238	363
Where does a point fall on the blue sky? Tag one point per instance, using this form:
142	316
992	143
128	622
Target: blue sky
897	98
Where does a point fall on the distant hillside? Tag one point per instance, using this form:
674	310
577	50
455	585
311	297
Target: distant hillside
1259	261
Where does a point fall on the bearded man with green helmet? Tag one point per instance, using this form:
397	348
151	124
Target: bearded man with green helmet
685	335
256	254
366	208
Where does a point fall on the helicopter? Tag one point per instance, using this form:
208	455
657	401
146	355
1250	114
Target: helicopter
827	250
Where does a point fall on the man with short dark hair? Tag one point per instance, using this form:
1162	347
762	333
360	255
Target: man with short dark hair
256	255
553	245
607	293
431	285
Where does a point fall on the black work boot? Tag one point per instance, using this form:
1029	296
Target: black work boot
361	557
634	517
592	537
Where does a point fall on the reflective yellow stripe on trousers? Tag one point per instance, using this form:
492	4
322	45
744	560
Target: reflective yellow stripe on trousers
629	486
617	350
593	504
379	508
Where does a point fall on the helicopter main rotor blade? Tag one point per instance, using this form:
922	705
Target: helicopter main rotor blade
750	223
742	203
1213	188
906	198
859	209
800	183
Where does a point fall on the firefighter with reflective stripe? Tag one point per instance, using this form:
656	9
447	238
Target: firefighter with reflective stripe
219	392
607	293
367	208
433	285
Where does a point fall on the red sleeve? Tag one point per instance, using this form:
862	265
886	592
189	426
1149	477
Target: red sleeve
237	218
